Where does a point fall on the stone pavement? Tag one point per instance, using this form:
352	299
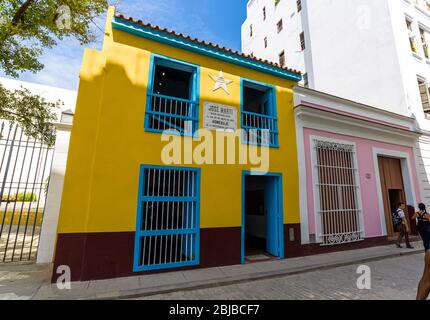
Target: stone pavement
391	279
21	281
32	281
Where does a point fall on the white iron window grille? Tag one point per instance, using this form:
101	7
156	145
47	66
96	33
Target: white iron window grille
168	227
337	185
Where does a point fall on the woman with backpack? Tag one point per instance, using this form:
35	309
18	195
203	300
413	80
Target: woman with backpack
424	229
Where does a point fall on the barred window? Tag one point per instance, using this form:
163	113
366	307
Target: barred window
168	228
172	99
337	184
259	120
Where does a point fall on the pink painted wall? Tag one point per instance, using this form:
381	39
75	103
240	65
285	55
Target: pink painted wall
369	195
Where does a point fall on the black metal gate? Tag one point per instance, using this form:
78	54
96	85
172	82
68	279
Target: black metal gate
25	165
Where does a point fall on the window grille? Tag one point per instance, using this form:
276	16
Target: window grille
425	96
173	97
258	116
168	227
172	114
337	184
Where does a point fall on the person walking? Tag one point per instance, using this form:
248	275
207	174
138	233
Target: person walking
401	222
424	229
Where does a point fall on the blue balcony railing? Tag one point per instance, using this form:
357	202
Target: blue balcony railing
260	129
170	114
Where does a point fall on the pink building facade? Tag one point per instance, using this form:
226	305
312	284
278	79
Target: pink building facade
356	163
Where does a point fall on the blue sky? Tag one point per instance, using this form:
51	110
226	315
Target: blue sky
218	21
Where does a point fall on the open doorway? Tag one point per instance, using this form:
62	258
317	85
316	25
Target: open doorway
393	189
262	232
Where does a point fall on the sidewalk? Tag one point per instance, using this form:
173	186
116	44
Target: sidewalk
27	281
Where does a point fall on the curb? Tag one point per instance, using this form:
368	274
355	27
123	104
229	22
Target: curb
139	293
125	294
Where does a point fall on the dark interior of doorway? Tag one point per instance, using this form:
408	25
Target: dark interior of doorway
256	219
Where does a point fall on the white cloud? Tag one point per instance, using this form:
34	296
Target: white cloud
62	63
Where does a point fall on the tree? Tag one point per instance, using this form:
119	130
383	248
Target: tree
26	29
32	112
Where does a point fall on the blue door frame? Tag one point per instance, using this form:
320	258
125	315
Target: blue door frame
279	215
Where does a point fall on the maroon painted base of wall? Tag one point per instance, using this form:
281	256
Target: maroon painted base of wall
294	249
96	256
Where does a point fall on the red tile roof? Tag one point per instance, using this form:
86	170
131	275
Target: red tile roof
202	42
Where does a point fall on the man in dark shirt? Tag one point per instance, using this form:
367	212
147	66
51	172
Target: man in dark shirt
403	227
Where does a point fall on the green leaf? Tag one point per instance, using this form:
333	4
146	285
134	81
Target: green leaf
27	27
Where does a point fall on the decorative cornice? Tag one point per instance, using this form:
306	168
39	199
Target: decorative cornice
303	111
311	92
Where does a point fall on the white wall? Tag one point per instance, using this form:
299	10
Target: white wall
412	65
354	53
422	153
350	47
358	50
287	40
48	234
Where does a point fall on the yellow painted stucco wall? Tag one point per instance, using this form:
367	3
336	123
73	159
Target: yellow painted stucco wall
109	143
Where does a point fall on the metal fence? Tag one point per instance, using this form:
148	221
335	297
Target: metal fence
25	165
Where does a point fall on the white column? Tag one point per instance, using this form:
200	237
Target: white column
52	209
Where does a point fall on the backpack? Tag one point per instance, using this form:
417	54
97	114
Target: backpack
396	218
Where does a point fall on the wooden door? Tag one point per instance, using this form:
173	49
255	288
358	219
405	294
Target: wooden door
393	189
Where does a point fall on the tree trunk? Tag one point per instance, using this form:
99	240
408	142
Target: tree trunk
21	12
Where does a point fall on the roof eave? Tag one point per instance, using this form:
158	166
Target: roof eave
162	37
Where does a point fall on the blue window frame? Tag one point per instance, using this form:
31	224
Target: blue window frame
259	119
168	218
173	97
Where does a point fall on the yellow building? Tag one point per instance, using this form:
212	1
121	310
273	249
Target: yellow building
182	154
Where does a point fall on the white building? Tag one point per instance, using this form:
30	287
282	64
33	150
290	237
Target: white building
372	52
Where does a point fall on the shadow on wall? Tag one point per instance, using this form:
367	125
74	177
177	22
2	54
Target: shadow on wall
96	236
104	116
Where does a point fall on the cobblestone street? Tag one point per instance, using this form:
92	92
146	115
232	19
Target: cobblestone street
395	278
